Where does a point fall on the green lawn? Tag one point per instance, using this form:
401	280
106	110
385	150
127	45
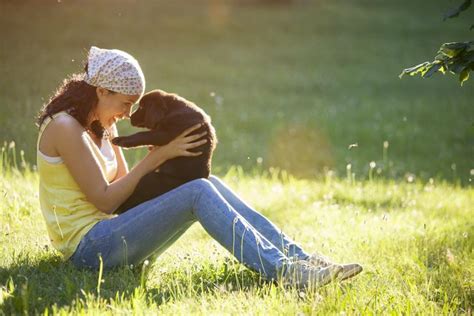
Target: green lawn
415	241
289	86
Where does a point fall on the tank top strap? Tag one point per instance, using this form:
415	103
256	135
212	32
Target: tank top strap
46	122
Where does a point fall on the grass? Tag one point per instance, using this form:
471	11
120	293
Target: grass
288	86
415	241
377	169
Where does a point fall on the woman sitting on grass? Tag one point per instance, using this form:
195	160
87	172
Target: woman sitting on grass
84	178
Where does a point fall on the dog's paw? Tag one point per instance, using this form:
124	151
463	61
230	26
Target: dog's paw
121	141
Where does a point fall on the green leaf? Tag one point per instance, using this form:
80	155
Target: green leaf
457	66
453	49
464	75
456	11
441	57
443	69
415	69
469	56
431	70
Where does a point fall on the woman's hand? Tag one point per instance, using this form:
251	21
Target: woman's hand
181	145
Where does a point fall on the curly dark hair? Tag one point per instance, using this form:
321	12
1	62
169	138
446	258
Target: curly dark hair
78	99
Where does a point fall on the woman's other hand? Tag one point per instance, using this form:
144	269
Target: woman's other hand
182	144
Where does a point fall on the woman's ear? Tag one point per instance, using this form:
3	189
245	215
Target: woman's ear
101	92
153	115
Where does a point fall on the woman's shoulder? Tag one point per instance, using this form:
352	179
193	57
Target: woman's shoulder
58	133
62	128
65	122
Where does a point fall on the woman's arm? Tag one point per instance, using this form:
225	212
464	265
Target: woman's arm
69	139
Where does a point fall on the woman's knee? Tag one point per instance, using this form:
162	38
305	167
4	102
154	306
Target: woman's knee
201	188
213	179
202	184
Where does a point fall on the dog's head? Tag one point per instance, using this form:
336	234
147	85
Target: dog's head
151	111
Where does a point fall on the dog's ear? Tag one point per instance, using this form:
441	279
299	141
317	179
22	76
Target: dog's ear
155	112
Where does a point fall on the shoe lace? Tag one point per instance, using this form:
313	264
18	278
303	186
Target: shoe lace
320	260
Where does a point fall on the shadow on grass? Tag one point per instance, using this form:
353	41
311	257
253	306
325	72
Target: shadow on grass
210	279
33	285
46	282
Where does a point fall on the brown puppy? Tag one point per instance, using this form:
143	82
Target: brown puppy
167	115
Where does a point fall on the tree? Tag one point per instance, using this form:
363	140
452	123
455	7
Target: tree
456	57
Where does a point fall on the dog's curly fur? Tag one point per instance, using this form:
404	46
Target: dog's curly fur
167	115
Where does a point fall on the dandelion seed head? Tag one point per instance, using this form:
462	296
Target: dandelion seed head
219	100
372	164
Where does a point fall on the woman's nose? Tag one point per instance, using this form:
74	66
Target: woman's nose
131	110
128	113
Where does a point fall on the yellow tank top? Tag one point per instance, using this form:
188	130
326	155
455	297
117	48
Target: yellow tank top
68	214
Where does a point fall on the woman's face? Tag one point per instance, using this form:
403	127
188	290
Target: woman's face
113	106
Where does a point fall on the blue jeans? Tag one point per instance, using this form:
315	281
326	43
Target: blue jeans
151	227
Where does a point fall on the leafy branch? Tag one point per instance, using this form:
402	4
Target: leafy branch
456	57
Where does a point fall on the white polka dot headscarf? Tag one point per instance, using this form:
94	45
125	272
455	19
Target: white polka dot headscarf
114	70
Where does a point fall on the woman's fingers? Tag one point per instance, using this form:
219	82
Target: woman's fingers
189	146
185	142
190	153
196	144
193	137
189	130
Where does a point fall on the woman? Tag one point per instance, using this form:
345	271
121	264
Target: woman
83	178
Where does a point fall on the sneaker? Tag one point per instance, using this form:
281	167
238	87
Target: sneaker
319	260
349	270
302	274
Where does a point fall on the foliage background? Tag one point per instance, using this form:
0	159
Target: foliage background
288	85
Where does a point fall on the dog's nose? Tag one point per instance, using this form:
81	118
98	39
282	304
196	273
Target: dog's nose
133	121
